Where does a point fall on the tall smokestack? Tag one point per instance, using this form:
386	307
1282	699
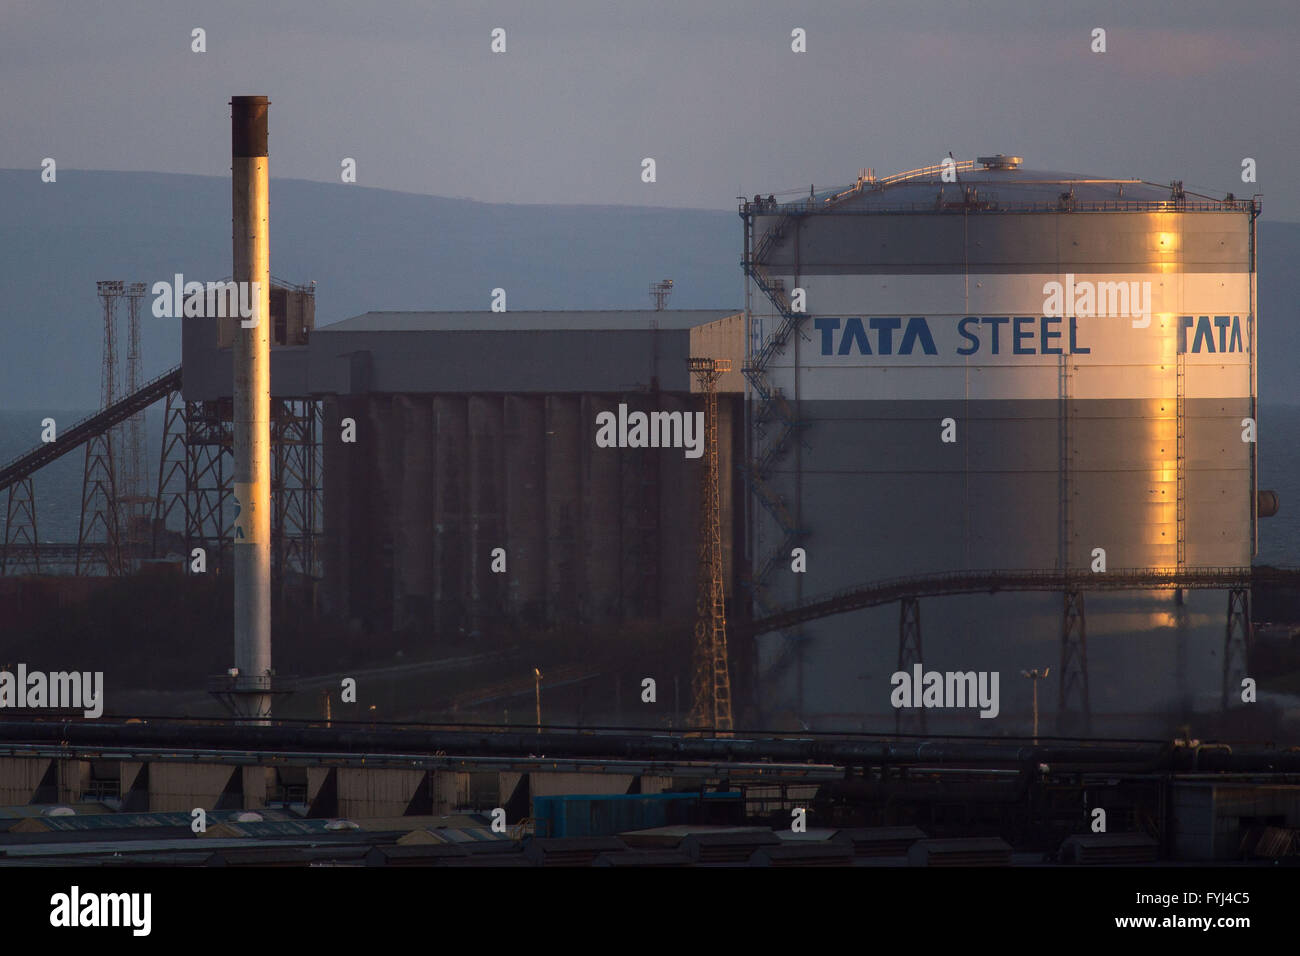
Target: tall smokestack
252	352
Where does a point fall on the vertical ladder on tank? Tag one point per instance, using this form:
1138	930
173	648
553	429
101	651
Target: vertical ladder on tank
1181	615
1180	415
1063	463
1074	704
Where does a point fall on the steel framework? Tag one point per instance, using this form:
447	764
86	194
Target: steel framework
1074	665
711	680
133	500
296	428
193	494
20	549
1237	640
659	292
99	511
889	590
171	492
1074	642
774	423
194	482
209	466
909	652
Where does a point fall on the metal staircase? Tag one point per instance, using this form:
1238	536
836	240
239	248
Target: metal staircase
775	420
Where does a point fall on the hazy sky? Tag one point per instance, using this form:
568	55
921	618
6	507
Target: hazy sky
709	88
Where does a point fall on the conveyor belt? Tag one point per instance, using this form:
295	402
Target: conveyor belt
74	437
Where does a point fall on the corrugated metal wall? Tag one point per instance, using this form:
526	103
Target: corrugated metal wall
592	536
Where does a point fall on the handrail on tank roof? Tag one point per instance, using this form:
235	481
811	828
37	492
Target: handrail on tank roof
1200	202
960	165
1012	206
963	165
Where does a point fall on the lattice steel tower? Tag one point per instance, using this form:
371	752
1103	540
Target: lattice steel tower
99	480
711	679
134	503
660	291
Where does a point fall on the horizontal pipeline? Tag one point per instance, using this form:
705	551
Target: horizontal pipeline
844	752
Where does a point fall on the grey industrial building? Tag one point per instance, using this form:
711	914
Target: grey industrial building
475	431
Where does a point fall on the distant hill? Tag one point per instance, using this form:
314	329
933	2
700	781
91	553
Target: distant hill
370	249
367	249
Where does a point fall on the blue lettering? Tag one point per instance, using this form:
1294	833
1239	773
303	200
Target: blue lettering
1048	336
1203	333
1075	348
917	328
885	342
1021	334
1234	344
854	332
826	327
1184	326
856	339
995	321
969	336
1221	323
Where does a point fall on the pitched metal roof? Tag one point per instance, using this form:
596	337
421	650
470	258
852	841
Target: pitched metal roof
527	321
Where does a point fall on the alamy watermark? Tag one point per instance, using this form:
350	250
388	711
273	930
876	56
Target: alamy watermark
651	430
218	300
955	689
77	690
77	909
1104	299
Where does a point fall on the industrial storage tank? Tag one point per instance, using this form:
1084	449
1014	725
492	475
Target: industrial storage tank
975	367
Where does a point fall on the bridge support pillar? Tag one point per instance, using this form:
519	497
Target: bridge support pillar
171	498
20	551
1074	667
909	653
208	485
297	506
1182	626
1237	640
99	513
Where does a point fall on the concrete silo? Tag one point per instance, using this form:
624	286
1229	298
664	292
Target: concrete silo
998	368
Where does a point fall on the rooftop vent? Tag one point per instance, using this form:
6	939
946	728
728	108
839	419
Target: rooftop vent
1001	162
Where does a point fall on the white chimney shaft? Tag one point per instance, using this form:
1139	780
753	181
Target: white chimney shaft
252	407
